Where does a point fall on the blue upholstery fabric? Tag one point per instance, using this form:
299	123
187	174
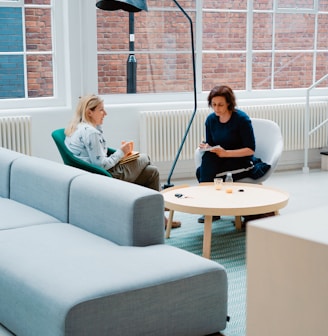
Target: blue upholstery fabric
43	185
15	215
72	282
6	158
132	212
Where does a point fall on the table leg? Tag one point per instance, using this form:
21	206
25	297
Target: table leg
238	222
207	239
169	224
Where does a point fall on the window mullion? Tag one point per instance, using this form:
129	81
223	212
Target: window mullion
249	46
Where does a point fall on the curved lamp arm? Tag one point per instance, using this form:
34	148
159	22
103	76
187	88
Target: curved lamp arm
168	183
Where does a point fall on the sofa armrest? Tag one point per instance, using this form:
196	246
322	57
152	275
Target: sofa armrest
119	211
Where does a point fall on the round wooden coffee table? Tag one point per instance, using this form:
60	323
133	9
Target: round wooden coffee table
242	199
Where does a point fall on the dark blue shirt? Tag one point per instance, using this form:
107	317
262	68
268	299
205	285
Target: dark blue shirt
235	134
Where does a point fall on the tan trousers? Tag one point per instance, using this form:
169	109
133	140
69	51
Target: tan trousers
139	171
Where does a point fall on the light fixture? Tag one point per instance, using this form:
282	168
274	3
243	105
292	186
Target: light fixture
131	6
137	6
126	5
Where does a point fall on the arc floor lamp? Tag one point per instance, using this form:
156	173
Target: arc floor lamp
133	6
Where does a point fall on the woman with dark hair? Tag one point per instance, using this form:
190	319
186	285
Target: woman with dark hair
230	142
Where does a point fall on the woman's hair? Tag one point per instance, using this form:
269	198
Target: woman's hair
89	102
223	91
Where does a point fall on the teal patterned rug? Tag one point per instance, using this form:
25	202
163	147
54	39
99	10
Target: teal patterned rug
228	249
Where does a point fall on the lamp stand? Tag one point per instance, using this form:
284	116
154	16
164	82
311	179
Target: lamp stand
168	183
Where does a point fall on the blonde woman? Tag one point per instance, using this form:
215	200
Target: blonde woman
85	139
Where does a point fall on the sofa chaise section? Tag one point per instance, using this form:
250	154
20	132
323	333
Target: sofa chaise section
71	282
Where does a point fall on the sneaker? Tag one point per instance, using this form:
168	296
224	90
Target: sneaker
202	219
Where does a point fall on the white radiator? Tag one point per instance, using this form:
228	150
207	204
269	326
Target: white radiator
15	133
161	132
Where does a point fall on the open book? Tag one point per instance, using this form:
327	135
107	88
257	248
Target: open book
132	156
209	148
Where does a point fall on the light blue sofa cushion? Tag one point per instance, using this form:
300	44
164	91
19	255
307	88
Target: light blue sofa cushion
43	185
15	215
133	215
57	279
6	158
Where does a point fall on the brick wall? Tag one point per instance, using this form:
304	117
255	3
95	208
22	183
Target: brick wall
163	47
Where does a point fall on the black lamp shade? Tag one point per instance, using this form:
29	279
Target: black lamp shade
126	5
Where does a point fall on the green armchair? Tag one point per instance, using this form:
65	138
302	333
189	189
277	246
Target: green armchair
71	160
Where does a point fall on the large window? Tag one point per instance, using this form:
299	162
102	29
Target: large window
26	49
48	48
252	45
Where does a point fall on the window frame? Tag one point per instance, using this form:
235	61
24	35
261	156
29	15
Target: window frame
59	40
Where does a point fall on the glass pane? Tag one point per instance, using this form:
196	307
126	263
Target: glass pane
300	4
294	31
156	73
11	29
167	31
323	5
263	4
225	4
185	4
227	69
322	68
164	35
37	2
113	30
38	29
224	31
293	70
261	75
262	31
172	31
322	31
39	76
11	76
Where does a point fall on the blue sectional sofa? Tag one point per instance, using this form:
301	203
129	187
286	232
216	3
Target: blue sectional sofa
83	254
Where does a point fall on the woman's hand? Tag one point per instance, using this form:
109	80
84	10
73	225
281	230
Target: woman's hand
219	151
127	147
203	145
